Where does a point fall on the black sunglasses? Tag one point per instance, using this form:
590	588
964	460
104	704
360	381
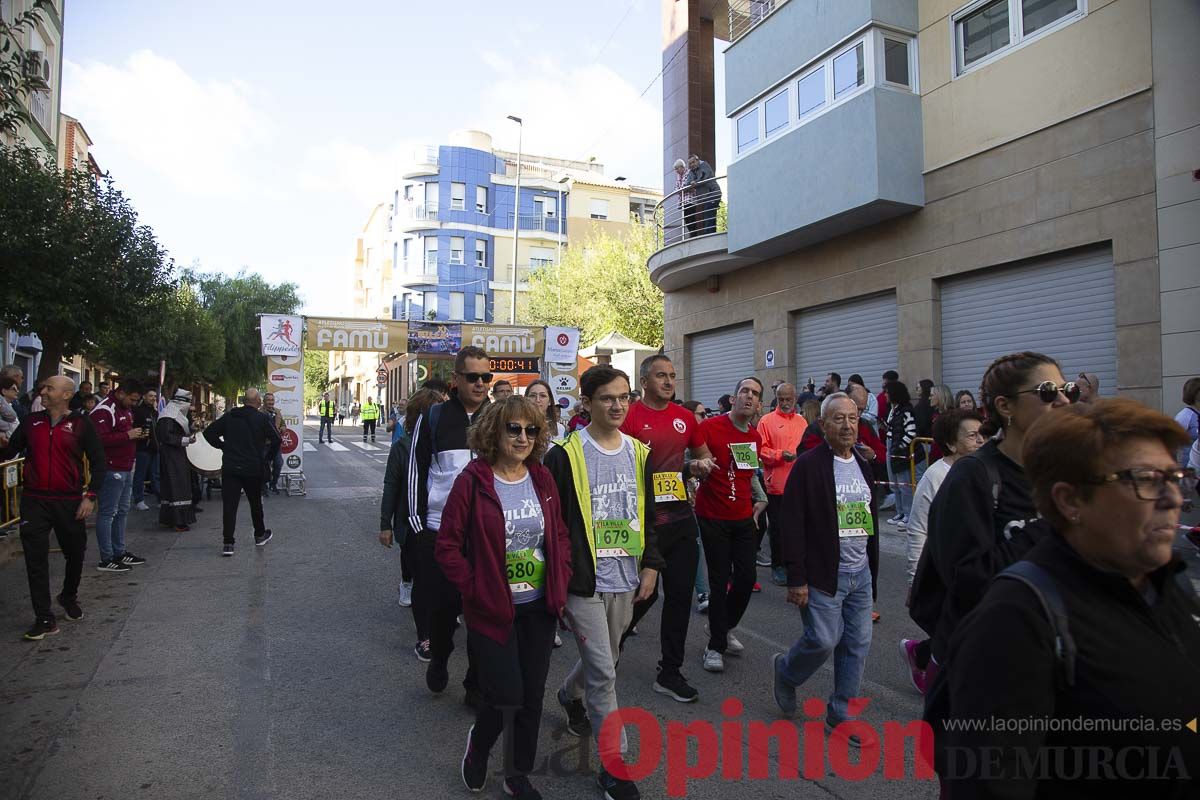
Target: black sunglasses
513	429
1047	391
476	377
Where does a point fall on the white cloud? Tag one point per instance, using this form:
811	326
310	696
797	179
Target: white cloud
578	112
201	137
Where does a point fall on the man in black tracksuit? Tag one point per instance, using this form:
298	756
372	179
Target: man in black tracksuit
243	435
54	442
438	454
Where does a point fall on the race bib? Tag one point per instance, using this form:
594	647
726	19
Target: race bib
745	455
854	519
616	538
669	487
526	572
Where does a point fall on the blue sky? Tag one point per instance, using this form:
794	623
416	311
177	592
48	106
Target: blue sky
260	134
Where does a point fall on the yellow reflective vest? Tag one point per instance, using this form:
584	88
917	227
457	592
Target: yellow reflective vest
370	411
328	409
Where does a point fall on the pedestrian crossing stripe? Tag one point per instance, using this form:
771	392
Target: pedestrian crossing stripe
338	448
309	447
364	445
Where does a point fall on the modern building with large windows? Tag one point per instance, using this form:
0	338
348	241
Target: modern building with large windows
452	221
927	184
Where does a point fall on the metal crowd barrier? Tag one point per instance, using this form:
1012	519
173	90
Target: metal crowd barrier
12	473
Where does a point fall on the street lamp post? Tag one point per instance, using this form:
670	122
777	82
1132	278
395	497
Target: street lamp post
562	215
516	218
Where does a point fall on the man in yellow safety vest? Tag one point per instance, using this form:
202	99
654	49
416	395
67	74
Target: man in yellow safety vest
370	415
328	410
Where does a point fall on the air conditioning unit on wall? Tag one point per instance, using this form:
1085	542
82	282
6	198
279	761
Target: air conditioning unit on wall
37	69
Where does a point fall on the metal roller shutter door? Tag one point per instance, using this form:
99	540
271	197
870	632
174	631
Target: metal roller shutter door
858	336
1062	307
718	360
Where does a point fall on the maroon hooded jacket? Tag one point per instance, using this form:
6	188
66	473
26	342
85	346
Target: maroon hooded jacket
470	549
113	424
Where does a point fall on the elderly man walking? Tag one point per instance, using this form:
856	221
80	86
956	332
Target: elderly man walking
830	552
242	436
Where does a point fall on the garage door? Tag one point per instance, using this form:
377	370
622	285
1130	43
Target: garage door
1062	307
858	336
719	359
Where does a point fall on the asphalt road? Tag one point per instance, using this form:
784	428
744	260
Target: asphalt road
287	672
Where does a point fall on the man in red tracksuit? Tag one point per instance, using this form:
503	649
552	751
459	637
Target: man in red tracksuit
54	441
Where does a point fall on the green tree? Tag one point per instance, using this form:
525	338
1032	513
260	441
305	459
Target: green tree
235	302
16	79
78	266
316	375
176	329
602	286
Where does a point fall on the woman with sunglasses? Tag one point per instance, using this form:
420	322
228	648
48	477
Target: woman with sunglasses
503	544
1105	478
983	518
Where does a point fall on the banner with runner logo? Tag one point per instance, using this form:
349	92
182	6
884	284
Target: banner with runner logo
285	379
281	334
562	345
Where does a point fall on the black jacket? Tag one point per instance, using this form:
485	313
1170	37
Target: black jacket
144	417
976	529
583	565
242	435
393	507
449	444
809	529
1134	661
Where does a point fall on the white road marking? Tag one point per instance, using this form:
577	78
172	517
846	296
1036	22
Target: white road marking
364	445
338	448
309	447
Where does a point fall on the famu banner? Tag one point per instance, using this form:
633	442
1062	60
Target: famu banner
340	333
501	340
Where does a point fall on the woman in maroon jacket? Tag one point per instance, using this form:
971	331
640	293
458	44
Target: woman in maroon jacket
503	544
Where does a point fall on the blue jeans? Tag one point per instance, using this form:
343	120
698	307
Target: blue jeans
114	497
701	571
840	625
145	467
904	491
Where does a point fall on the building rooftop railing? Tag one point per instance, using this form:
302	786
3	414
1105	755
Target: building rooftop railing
537	222
745	14
691	212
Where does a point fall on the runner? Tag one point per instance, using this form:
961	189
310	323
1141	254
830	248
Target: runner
605	485
781	432
54	497
439	453
668	430
725	509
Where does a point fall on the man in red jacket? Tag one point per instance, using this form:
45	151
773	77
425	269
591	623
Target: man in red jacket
54	441
113	419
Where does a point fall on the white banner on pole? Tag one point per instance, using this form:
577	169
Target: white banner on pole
285	379
281	334
562	345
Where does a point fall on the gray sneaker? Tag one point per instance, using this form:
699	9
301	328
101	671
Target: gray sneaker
713	661
732	646
785	696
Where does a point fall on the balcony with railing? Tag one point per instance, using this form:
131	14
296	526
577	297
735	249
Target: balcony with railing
39	109
416	272
422	161
417	216
745	14
537	223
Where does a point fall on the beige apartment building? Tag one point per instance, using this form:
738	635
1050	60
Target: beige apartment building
928	184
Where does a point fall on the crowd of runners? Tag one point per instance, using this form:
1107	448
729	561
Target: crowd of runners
529	531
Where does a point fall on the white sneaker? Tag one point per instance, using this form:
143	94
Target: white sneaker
713	661
142	506
406	594
896	519
902	525
732	645
557	640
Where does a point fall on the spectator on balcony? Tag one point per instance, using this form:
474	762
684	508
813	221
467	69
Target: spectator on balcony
702	181
687	205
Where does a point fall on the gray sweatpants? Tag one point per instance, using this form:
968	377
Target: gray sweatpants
597	623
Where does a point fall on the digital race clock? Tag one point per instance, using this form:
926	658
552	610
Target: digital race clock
509	366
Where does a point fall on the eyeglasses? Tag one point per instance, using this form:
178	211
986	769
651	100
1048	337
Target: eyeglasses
476	377
1047	391
1150	484
616	400
513	429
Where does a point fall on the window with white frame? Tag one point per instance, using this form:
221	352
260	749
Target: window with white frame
481	205
480	253
541	256
480	307
458	197
431	249
544	206
405	246
896	69
431	196
747	130
429	301
408	187
984	28
457	305
598	208
849	71
810	91
458	248
775	113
